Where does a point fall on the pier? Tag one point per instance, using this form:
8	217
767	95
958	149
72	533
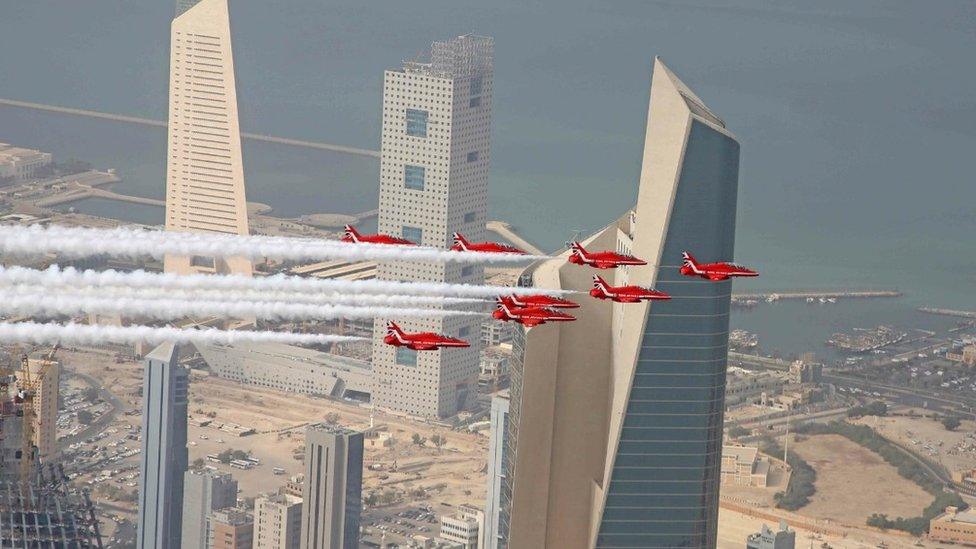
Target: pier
817	294
948	312
505	231
163	124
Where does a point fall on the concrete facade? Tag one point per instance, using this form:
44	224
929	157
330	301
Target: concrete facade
204	491
954	526
615	422
230	529
21	163
435	153
332	493
463	527
46	377
164	453
277	522
204	166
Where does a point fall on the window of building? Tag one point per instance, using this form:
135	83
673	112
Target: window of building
463	331
413	177
474	101
467	270
473	156
416	123
470	217
406	357
477	84
413	234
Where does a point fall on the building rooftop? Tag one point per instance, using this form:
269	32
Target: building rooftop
952	515
459	57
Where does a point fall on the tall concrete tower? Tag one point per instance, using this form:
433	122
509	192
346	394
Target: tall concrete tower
435	153
332	494
204	166
164	455
615	421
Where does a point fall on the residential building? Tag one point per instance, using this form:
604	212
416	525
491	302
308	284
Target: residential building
204	491
20	163
493	536
954	526
747	387
204	166
230	529
332	494
165	390
743	466
615	420
289	368
493	366
463	527
435	152
277	521
45	378
806	372
295	485
495	333
768	539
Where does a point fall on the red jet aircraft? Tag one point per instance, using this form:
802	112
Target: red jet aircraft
539	300
713	271
624	294
601	260
354	236
422	341
461	244
529	316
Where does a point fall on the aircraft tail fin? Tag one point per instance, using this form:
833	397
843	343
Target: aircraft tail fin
351	232
689	261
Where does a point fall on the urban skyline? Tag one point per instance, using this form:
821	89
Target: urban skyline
424	419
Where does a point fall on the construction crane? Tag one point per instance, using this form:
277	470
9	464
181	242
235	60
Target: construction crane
26	393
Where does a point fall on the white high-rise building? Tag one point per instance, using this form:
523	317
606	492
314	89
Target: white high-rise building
204	167
435	153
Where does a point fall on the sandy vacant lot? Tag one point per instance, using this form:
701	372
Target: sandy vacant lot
853	482
925	435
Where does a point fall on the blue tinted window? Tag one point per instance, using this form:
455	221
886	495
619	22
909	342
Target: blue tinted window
467	270
477	84
406	357
413	234
413	177
473	156
474	102
469	217
463	331
416	122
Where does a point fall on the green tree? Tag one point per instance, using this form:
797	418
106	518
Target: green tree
418	440
85	417
90	394
332	418
371	499
951	423
438	441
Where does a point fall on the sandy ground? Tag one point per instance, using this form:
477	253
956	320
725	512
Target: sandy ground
853	482
956	450
734	527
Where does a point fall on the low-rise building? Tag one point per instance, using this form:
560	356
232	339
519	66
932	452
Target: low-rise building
743	466
967	356
768	539
230	529
493	366
806	372
495	333
744	386
954	526
463	527
21	163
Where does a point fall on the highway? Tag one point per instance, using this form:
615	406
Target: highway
162	124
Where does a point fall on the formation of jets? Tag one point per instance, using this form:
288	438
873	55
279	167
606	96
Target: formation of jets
534	310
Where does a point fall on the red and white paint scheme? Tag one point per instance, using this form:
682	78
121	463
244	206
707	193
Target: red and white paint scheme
355	237
529	316
601	260
539	300
624	294
461	244
713	271
421	341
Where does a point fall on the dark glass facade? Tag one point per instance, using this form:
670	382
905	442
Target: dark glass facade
664	485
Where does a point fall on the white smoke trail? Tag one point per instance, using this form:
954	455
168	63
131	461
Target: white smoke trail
334	298
56	276
67	304
81	334
127	242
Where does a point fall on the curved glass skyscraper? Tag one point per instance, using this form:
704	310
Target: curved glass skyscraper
616	419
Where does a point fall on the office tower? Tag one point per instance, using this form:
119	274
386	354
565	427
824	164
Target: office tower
204	167
204	491
164	454
45	377
435	153
277	521
332	496
183	5
615	421
230	529
48	513
493	534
